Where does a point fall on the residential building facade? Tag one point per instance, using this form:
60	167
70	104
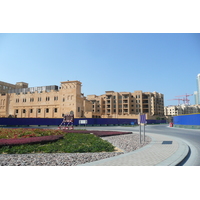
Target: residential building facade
45	101
4	87
54	101
128	105
181	110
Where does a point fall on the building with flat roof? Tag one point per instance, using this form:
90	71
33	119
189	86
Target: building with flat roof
54	101
128	105
4	87
183	109
45	102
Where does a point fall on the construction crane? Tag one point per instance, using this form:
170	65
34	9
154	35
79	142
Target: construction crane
176	99
185	99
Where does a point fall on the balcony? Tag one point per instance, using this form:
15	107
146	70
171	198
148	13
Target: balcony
145	110
145	106
145	101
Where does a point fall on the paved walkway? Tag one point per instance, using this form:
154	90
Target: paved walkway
162	151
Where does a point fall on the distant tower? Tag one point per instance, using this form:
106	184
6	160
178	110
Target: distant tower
198	89
195	97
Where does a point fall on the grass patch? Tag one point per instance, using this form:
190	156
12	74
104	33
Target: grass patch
71	143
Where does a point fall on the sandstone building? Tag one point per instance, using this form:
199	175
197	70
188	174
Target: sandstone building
128	105
45	102
53	102
4	87
181	110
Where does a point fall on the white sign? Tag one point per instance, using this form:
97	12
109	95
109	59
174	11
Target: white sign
82	121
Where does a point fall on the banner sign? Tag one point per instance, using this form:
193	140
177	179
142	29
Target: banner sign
142	119
82	121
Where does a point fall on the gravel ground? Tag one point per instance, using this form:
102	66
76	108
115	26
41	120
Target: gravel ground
124	143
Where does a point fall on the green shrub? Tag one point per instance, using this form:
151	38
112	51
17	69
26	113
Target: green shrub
71	143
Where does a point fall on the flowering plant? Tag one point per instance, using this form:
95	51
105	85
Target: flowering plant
26	133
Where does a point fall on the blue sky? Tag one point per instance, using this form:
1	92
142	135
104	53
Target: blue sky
165	63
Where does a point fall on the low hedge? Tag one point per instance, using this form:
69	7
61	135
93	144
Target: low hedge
71	143
31	140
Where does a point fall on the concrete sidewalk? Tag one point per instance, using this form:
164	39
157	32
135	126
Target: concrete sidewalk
162	151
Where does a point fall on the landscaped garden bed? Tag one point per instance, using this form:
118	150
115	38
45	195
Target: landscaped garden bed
14	133
31	140
22	141
98	133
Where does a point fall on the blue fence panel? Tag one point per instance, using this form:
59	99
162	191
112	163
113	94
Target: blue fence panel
57	121
187	119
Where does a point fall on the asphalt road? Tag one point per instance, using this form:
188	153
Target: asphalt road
189	136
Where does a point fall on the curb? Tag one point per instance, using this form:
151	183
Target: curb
174	160
178	156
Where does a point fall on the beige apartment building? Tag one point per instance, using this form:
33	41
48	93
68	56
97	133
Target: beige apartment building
53	101
128	105
181	110
44	102
4	87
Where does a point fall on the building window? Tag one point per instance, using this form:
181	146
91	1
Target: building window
55	98
16	111
47	98
31	110
39	99
24	100
47	110
39	110
31	99
24	110
63	99
79	109
55	110
17	100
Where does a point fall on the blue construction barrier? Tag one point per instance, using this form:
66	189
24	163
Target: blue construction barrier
193	119
57	121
